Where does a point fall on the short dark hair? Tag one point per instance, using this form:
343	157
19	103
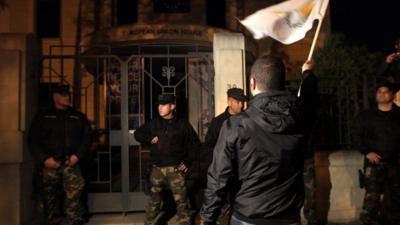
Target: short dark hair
388	84
269	73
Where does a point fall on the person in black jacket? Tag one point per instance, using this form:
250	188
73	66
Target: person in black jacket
173	147
236	99
377	136
262	152
58	140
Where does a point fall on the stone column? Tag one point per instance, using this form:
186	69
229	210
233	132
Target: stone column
229	65
339	197
18	82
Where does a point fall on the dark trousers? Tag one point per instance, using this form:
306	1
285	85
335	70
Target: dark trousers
236	221
381	181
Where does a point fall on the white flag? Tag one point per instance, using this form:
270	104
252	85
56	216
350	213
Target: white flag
286	22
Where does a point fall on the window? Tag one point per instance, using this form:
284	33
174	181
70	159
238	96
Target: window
171	6
127	12
216	13
48	18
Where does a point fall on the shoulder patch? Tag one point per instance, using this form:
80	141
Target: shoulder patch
74	117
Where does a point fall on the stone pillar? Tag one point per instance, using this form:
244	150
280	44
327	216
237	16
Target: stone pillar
339	197
18	82
200	93
229	66
346	195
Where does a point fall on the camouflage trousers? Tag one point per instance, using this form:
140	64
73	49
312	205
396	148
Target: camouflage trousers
381	203
70	179
168	178
310	189
226	213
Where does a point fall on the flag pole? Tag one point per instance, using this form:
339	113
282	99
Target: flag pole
316	34
315	39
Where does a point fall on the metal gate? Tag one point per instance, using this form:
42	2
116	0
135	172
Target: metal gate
118	95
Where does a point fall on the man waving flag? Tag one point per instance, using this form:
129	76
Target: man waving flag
286	22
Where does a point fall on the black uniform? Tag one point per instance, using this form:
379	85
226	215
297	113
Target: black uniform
177	141
60	134
379	132
263	149
212	136
207	156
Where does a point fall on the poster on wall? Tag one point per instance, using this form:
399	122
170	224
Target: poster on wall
114	94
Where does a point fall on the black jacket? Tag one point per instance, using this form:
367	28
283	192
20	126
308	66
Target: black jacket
177	141
377	131
212	136
262	152
59	134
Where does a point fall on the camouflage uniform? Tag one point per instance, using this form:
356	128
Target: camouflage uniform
309	209
226	213
73	184
167	177
382	179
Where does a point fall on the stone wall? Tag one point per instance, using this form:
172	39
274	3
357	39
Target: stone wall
18	83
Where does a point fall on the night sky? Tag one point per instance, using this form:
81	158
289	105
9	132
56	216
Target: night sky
375	23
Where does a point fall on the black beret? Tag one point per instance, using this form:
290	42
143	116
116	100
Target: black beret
166	99
236	93
61	89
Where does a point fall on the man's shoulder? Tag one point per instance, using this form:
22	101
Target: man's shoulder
367	114
77	113
396	108
372	110
220	116
238	119
45	113
183	122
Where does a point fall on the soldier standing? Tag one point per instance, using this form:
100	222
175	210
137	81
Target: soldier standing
58	140
173	146
236	99
377	136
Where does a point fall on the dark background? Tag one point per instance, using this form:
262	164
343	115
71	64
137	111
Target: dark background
374	24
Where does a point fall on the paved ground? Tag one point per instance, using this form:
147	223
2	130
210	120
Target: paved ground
117	219
137	219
